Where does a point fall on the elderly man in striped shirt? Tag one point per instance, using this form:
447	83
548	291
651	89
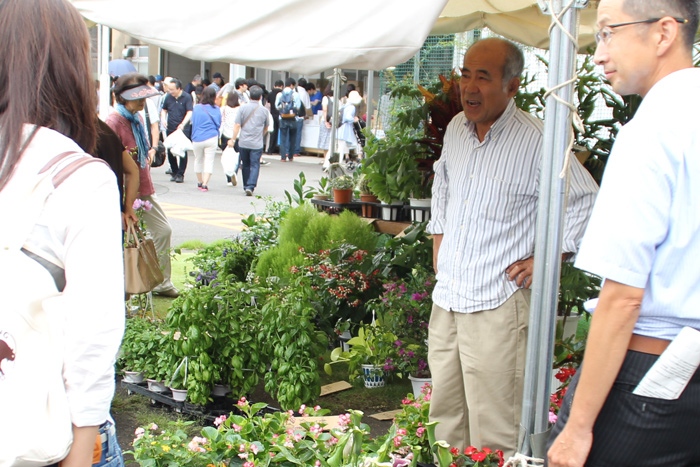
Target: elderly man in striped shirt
484	210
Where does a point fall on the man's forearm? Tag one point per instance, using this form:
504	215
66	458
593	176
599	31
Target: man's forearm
437	241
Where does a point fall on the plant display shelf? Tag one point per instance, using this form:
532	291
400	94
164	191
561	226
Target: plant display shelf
334	208
223	405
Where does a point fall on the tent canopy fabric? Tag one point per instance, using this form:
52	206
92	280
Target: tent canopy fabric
304	36
519	20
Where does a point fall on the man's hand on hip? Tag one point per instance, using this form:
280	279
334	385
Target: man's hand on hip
521	272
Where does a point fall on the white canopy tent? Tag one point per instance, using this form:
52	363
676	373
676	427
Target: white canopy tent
372	34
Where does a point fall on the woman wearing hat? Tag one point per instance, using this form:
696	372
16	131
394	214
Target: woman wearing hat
130	93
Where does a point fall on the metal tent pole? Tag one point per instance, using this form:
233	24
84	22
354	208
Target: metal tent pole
104	44
549	233
336	92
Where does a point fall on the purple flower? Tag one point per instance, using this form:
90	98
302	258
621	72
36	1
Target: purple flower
402	288
409	319
410	354
398	343
417	297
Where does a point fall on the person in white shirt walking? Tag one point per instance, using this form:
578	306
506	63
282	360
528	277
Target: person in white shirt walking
484	211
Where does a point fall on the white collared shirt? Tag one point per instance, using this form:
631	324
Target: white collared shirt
645	227
485	204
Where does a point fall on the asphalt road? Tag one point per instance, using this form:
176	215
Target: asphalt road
217	213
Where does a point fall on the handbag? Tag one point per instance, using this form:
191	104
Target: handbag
32	389
141	266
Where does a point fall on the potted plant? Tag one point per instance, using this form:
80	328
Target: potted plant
342	189
137	353
371	355
323	191
366	196
405	308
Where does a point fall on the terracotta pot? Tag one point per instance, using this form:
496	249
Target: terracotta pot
367	209
342	196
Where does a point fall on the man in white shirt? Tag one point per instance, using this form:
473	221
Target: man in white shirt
644	239
484	209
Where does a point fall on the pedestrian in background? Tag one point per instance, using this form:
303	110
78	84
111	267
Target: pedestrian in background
251	124
206	121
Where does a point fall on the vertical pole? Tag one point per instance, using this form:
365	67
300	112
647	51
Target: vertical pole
103	66
548	239
370	96
334	117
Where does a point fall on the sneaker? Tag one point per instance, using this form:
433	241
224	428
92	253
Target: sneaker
264	163
179	179
249	192
229	183
173	177
204	188
169	172
199	185
234	180
283	159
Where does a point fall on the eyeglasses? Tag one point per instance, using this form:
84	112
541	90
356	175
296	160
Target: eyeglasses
606	33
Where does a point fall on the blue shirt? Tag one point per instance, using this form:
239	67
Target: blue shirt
645	228
206	121
318	107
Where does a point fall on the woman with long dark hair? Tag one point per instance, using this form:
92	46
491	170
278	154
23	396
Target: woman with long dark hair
206	121
130	93
67	265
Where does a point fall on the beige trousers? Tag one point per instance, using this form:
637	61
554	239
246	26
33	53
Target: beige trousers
477	362
159	227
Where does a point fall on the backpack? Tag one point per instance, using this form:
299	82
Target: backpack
286	105
30	345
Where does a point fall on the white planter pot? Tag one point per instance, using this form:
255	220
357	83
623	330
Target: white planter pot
390	212
156	386
418	383
133	377
220	390
373	376
179	394
420	215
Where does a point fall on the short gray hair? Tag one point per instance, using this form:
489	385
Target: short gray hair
515	62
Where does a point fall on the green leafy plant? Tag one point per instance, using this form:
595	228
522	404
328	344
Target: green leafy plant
344	182
343	279
373	345
302	192
216	328
230	260
292	345
160	447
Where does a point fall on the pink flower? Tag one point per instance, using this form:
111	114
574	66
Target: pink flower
553	417
420	431
248	464
139	432
254	448
236	428
220	420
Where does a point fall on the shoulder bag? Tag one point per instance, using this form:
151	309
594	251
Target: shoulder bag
142	271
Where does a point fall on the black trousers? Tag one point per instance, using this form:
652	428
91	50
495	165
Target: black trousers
640	431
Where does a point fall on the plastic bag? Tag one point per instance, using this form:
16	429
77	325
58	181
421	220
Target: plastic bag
178	143
229	160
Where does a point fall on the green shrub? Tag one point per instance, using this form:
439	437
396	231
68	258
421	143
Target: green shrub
347	227
306	228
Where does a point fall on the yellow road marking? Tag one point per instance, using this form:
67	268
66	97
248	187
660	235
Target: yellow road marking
223	219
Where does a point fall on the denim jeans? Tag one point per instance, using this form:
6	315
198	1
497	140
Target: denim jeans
250	163
288	137
111	452
297	145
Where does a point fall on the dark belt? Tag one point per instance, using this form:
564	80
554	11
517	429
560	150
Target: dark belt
646	344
